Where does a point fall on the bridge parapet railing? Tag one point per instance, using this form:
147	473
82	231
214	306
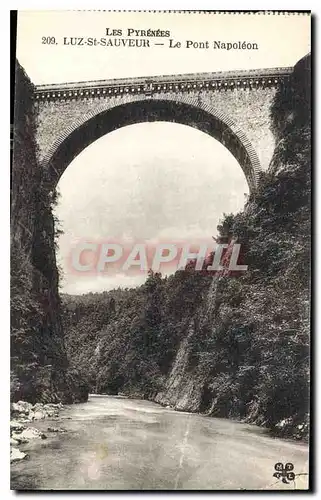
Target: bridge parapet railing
166	83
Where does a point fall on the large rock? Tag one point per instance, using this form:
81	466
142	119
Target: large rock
56	429
31	415
38	406
19	438
27	412
16	454
40	410
32	433
27	434
21	407
39	414
16	426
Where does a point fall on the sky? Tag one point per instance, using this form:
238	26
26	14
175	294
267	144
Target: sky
149	181
171	182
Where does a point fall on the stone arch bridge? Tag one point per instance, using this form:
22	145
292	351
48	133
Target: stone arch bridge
233	107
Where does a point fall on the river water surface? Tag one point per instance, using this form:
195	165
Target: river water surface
115	443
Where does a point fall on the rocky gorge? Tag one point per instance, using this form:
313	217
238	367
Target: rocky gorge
233	347
237	349
40	370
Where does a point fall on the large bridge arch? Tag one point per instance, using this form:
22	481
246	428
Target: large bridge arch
102	120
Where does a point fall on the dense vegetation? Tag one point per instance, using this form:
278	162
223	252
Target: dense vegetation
126	340
39	367
230	346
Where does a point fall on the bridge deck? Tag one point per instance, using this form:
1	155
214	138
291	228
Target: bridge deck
247	77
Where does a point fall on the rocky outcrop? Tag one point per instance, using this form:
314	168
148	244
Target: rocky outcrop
39	366
183	388
27	411
235	392
23	413
16	455
291	117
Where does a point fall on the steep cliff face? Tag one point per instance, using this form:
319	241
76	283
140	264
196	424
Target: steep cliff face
252	352
39	366
183	387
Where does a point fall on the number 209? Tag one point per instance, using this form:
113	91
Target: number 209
48	40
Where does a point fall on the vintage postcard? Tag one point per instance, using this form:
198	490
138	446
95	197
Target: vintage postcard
160	251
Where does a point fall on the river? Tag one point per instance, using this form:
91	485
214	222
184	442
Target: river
115	443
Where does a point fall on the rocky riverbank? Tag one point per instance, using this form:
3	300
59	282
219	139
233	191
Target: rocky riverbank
21	432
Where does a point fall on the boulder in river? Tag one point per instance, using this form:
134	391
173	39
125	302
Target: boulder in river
27	434
16	426
19	438
32	433
16	454
56	429
27	412
38	415
21	407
